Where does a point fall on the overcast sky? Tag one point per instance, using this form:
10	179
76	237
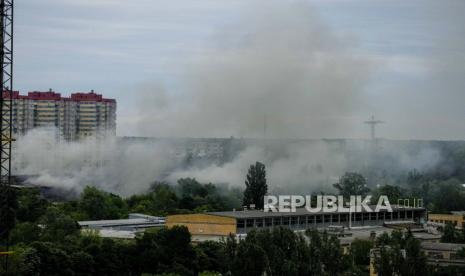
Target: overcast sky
126	49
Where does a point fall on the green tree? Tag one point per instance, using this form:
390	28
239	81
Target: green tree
211	256
167	251
394	193
360	251
250	260
8	207
53	259
449	234
25	232
256	187
56	225
352	184
31	205
95	205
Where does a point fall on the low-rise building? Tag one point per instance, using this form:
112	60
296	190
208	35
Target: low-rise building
122	228
443	254
240	222
457	218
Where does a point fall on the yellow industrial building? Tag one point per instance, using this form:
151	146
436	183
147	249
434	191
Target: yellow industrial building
204	224
456	218
241	222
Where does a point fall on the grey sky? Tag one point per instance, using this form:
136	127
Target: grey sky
127	49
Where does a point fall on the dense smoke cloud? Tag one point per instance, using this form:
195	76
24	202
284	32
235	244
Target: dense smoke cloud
128	166
111	165
279	62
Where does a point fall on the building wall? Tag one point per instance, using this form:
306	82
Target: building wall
80	116
457	220
203	224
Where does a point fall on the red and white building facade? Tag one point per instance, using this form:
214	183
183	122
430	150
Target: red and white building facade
79	116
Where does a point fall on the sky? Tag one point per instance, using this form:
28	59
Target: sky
166	63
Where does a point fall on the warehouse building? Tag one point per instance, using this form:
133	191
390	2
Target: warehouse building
241	222
457	218
122	228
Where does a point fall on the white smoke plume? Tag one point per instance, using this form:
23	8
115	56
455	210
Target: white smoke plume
279	62
111	165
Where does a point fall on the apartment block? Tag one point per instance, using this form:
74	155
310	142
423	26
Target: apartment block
79	116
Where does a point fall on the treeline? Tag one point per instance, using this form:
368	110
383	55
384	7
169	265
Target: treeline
439	196
187	196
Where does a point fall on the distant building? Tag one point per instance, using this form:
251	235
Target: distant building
122	228
81	115
443	254
456	218
216	224
438	256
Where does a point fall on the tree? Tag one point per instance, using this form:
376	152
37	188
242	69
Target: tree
31	206
8	206
211	256
352	184
256	187
250	260
399	254
167	251
95	205
360	251
53	259
394	193
449	235
56	225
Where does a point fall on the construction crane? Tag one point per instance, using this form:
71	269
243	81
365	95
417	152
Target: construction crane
7	217
373	124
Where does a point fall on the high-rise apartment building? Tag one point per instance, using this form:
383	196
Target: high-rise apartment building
79	116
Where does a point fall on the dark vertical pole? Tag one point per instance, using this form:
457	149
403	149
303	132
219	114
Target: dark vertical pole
6	120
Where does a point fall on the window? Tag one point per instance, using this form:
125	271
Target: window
249	222
277	221
366	216
259	222
285	220
240	223
302	220
319	219
327	218
310	219
268	222
344	217
293	220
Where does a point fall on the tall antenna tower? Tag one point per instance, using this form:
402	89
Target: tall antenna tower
373	124
6	120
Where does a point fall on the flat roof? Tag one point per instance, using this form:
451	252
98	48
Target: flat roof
441	246
120	222
115	234
298	212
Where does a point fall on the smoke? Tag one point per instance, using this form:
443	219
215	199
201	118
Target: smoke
108	164
278	72
279	63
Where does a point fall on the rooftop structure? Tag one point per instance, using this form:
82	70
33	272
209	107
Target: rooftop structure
241	222
135	223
